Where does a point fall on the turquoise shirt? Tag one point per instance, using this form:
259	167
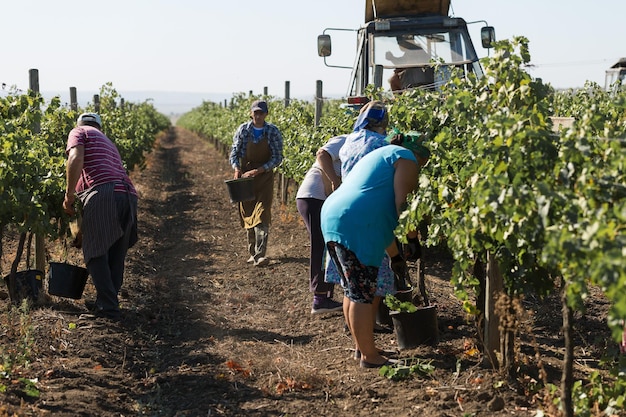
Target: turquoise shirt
361	214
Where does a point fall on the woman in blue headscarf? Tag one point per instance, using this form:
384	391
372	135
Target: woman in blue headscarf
368	135
358	223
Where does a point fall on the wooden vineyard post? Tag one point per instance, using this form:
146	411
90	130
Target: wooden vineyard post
287	93
283	181
285	189
493	288
567	376
282	188
40	247
73	99
318	102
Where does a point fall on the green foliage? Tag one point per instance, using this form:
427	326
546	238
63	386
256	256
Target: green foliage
396	305
596	394
407	368
300	141
20	329
24	165
30	387
500	179
597	111
33	135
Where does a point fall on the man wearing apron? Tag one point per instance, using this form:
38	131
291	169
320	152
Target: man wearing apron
257	150
96	175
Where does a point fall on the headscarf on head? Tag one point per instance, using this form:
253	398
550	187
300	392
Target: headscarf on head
411	140
373	114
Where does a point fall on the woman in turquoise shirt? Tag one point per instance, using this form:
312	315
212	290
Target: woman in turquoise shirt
358	223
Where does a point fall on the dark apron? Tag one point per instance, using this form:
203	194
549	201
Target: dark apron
259	210
101	224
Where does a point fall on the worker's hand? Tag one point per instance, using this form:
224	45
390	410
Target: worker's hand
397	139
253	172
68	204
237	174
412	250
401	274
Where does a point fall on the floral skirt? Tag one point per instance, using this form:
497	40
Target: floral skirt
384	282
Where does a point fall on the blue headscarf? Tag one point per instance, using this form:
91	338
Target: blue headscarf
370	116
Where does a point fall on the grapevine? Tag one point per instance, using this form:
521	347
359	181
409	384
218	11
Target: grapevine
549	205
32	162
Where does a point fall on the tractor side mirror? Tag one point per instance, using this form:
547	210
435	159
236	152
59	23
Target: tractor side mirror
324	47
487	36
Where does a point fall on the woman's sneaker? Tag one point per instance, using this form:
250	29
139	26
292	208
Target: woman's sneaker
326	305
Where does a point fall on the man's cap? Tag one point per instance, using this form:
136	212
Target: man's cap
259	105
89	117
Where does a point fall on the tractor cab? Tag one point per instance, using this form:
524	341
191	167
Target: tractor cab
616	74
408	44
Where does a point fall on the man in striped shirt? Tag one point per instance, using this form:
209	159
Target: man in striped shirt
97	177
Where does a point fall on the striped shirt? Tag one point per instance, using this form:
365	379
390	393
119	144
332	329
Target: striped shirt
102	162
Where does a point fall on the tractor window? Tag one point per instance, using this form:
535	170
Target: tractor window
410	50
402	52
407	59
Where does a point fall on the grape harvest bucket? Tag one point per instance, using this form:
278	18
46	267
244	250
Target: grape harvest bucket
416	328
28	283
240	189
65	280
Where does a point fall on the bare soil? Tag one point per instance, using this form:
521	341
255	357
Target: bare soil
206	334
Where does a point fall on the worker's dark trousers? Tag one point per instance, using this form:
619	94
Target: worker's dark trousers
310	209
107	271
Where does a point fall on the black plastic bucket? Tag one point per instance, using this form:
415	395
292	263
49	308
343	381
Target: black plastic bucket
417	328
27	283
383	314
240	189
65	280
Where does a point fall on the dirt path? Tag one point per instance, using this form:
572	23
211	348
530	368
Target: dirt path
205	334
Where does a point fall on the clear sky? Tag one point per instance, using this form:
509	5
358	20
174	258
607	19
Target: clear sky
216	46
